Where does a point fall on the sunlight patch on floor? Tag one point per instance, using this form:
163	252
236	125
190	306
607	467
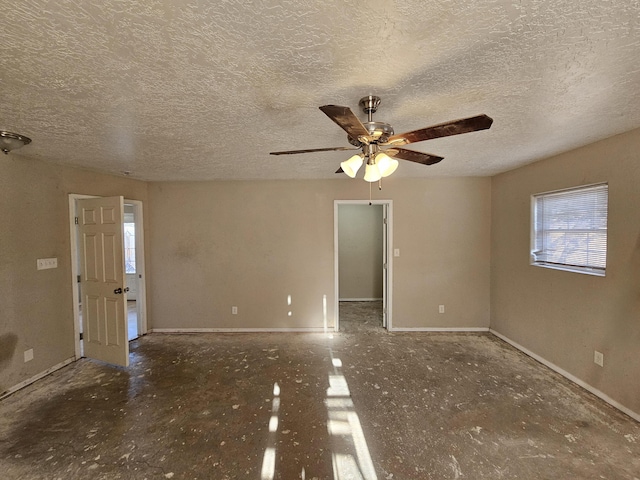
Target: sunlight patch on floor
345	429
269	459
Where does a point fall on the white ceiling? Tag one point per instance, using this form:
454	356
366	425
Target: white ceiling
199	90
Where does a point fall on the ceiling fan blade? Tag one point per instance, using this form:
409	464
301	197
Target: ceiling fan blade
310	150
346	119
455	127
418	157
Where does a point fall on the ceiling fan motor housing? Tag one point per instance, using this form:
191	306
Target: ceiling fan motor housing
380	131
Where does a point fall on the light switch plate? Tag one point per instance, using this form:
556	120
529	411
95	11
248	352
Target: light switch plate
45	263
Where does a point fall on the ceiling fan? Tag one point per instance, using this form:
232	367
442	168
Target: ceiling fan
380	146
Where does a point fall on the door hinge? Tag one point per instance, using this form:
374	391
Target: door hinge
79	279
76	220
81	336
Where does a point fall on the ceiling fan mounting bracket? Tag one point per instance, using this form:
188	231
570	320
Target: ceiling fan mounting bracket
369	104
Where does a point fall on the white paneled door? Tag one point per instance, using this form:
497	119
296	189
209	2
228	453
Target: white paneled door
104	300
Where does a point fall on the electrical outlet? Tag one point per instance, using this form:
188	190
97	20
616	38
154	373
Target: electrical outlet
396	252
28	355
598	358
440	308
45	263
234	310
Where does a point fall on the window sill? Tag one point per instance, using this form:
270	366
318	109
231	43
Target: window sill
568	268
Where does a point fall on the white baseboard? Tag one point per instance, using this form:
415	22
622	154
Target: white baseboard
360	299
243	330
439	329
567	375
37	377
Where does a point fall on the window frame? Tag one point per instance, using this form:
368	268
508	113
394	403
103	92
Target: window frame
534	250
129	249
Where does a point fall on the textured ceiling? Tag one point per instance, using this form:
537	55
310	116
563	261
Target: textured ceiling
195	90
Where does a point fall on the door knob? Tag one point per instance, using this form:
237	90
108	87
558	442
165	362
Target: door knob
117	291
126	289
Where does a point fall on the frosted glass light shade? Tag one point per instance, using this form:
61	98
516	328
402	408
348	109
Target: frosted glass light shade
351	166
372	173
11	141
386	164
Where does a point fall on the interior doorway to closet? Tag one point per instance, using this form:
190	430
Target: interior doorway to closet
362	264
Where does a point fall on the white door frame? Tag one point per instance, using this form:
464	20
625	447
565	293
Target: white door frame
141	296
388	291
141	303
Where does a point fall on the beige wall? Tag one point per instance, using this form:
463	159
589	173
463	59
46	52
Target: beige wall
360	251
36	306
252	244
563	316
211	245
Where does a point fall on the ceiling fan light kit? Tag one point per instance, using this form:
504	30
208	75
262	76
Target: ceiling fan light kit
11	141
351	166
379	144
372	173
386	164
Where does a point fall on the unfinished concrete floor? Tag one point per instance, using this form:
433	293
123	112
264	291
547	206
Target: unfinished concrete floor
359	404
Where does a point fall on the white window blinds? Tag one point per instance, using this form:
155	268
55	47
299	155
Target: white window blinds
570	229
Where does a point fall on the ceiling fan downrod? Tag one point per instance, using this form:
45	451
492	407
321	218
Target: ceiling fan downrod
378	132
369	105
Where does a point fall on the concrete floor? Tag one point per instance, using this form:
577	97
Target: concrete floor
359	404
132	319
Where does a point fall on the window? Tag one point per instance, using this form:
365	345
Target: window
129	247
569	230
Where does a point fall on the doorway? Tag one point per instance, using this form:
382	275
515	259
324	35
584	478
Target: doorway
134	263
362	261
133	274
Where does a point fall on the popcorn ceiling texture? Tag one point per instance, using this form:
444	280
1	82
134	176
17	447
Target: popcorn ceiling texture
196	90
